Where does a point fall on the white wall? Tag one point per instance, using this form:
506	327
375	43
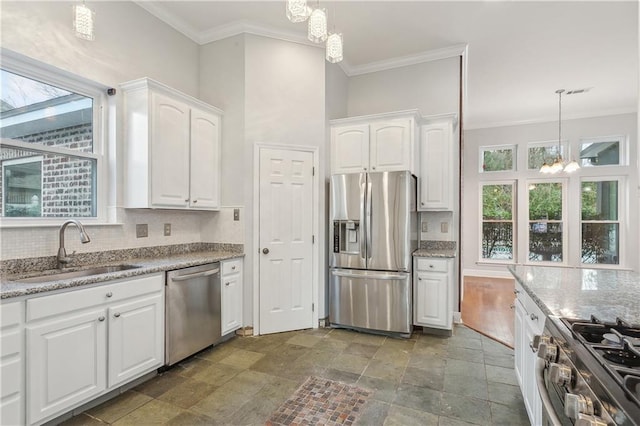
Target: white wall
572	131
432	87
130	43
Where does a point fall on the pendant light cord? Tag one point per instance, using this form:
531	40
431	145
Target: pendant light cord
559	92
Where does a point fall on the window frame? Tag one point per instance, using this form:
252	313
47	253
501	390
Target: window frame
30	68
622	182
514	150
623	156
564	182
564	150
8	163
514	221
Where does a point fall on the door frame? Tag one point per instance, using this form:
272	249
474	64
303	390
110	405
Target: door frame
315	249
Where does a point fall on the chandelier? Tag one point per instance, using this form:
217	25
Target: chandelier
558	164
299	11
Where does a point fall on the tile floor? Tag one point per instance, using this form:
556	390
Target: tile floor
426	380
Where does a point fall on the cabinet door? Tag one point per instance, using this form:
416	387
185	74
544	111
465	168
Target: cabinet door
532	400
390	146
519	342
205	160
66	363
350	149
231	302
169	152
136	338
11	364
432	300
435	185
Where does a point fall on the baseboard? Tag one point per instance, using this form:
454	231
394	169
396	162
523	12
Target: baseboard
457	318
245	331
484	273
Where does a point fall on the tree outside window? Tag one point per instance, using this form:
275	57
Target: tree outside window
600	222
545	222
498	159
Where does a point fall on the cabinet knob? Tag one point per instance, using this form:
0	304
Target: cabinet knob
373	168
186	201
512	307
431	266
109	294
101	319
533	317
364	168
233	268
195	201
265	250
227	284
516	291
422	203
419	279
117	315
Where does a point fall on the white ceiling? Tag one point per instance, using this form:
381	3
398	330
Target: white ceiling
519	52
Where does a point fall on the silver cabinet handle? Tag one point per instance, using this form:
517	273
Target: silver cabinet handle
117	315
372	276
265	250
196	275
533	317
109	294
101	318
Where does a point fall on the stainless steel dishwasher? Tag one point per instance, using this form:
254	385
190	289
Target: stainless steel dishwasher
192	317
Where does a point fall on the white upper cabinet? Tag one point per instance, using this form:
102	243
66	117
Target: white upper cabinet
172	149
438	164
374	143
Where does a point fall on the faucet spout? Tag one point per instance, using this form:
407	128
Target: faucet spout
62	257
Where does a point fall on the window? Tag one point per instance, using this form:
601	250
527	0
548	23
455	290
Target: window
600	222
543	152
546	222
497	221
50	153
600	152
497	159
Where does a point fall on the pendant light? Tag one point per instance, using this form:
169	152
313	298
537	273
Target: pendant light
297	10
558	164
318	25
333	51
83	19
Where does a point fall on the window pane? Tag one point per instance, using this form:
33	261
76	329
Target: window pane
497	202
494	160
545	241
64	187
600	243
497	240
545	201
39	113
600	200
540	154
600	153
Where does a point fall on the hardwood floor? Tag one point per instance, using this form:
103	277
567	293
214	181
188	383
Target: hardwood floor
486	307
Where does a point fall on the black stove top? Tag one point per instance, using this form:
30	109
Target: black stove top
616	346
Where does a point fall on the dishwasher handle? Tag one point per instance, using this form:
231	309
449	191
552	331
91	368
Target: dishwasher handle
196	275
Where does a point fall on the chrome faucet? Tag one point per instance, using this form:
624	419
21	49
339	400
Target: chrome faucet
63	259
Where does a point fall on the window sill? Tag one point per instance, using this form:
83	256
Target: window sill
18	224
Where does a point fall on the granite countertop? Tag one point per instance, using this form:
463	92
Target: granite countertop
434	253
580	293
10	288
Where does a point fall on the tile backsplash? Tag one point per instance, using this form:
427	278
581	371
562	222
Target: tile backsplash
186	228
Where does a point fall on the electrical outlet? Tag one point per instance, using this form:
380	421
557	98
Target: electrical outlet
142	230
425	227
236	214
444	227
167	229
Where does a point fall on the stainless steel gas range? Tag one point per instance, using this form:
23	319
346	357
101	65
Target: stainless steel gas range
588	372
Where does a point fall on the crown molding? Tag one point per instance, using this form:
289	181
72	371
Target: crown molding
603	113
176	23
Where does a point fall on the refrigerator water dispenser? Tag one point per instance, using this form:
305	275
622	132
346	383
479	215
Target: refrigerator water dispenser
345	236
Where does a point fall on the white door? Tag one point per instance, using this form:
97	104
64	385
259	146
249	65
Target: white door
286	227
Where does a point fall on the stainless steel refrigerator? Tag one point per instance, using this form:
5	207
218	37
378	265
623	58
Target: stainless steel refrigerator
373	223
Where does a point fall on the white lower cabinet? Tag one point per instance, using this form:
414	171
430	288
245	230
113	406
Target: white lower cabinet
433	293
84	343
231	295
12	363
529	321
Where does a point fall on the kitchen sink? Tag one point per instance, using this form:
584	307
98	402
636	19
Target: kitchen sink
55	276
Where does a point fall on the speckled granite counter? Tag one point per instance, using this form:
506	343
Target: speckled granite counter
580	293
12	289
430	248
434	253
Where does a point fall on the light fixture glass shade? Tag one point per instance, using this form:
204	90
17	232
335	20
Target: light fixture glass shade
83	18
334	48
557	165
318	26
571	167
297	10
546	169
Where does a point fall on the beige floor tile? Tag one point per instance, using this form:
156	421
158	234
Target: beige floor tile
392	355
350	363
220	405
188	393
217	374
306	340
242	359
153	412
161	383
119	407
403	416
218	352
383	370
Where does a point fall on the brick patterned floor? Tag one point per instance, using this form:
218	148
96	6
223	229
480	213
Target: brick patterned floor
321	401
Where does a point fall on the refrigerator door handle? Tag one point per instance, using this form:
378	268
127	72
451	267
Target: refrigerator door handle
368	220
361	229
386	276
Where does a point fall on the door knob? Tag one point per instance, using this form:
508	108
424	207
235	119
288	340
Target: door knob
265	250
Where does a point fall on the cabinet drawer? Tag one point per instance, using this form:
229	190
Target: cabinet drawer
10	314
534	315
432	264
45	306
231	266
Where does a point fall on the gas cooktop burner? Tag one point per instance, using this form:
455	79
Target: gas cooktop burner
622	357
